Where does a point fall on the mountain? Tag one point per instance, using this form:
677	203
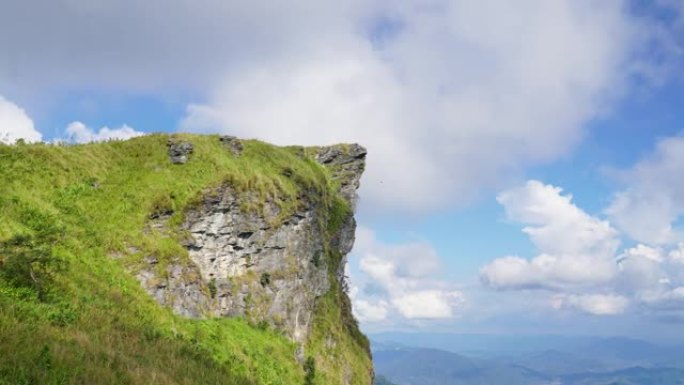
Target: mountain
415	366
558	363
631	376
484	345
178	259
380	380
420	366
571	354
601	355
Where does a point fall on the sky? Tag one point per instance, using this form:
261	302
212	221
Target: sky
524	157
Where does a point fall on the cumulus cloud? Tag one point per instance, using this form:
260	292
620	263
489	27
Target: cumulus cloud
652	276
398	281
677	254
80	133
594	304
16	124
450	86
369	310
640	269
429	304
576	249
671	299
653	200
660	285
154	46
580	261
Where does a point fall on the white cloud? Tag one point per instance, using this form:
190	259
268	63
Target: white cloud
409	260
653	200
163	46
640	250
455	98
431	304
80	133
677	254
16	124
576	249
397	280
594	304
641	268
579	259
368	311
672	299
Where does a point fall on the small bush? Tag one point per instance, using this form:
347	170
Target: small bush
44	359
212	288
29	260
316	259
263	325
162	206
265	279
288	171
310	370
64	314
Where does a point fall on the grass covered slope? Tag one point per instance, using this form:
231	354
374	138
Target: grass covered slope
70	313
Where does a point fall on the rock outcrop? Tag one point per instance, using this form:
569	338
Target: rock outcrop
347	163
179	151
232	143
266	265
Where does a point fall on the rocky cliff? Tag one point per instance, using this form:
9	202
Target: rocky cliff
265	264
182	259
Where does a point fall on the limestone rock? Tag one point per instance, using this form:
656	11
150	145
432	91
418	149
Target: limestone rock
232	143
257	264
347	163
179	151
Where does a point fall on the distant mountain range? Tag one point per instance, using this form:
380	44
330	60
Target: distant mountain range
586	361
412	366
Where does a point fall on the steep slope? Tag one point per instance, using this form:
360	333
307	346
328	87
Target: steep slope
178	260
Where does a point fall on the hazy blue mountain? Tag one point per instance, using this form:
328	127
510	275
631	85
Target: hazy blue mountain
412	366
381	380
592	361
623	353
558	363
624	349
631	376
483	345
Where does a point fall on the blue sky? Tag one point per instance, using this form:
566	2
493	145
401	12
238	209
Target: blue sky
481	119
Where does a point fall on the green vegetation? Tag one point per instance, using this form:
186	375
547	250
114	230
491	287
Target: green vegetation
74	220
310	370
265	279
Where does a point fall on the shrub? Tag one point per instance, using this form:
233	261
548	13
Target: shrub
316	259
162	206
310	370
29	260
265	279
212	288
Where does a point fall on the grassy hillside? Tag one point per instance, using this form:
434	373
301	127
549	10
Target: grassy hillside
72	227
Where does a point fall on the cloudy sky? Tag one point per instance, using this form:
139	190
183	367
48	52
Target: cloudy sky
524	157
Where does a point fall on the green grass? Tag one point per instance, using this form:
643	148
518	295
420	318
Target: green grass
85	318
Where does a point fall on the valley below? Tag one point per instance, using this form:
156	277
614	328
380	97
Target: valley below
526	360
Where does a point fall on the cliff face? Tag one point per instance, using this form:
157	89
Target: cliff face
178	259
266	265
